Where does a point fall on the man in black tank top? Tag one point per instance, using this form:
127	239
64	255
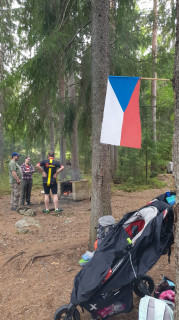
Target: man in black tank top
50	168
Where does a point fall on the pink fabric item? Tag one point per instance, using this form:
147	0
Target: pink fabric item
168	295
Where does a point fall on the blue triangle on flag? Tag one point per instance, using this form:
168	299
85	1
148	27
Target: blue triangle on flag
123	88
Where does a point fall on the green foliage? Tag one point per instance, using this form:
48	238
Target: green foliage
131	166
4	183
61	45
135	165
37	181
5	187
70	115
129	186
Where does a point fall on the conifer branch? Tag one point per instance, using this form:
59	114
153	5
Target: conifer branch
71	41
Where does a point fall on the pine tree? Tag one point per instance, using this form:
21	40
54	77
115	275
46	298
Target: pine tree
101	193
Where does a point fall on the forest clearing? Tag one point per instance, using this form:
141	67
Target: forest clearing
92	85
38	267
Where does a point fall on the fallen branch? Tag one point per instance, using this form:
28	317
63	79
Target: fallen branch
15	256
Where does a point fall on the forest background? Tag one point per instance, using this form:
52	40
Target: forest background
45	86
50	53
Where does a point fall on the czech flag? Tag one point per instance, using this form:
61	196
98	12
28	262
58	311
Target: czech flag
121	119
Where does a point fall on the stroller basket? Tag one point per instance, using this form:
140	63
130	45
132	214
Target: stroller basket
114	302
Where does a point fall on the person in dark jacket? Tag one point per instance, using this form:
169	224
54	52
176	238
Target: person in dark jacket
26	182
50	168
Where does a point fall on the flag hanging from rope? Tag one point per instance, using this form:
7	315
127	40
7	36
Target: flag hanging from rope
121	119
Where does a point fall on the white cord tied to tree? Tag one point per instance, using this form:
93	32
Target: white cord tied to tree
156	79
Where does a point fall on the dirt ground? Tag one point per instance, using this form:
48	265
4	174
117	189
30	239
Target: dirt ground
37	269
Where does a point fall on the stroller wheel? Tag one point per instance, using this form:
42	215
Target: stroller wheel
143	286
61	314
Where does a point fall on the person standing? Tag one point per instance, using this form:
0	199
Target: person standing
50	168
15	176
26	182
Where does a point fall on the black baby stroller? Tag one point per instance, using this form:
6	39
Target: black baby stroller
105	285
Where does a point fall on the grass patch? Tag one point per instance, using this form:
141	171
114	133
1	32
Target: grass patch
5	187
153	183
37	181
87	177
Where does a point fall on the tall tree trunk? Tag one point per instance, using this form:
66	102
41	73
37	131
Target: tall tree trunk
114	149
75	172
52	129
154	82
43	150
101	177
172	5
63	174
115	159
1	109
43	108
176	162
154	68
112	162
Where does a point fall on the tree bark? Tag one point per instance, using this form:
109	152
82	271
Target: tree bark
43	149
154	82
176	161
116	158
114	149
101	177
63	174
75	171
112	162
154	68
1	109
52	129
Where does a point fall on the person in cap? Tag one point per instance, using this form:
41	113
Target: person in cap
15	176
50	168
26	182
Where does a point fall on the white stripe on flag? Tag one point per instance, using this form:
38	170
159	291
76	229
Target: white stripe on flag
112	119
